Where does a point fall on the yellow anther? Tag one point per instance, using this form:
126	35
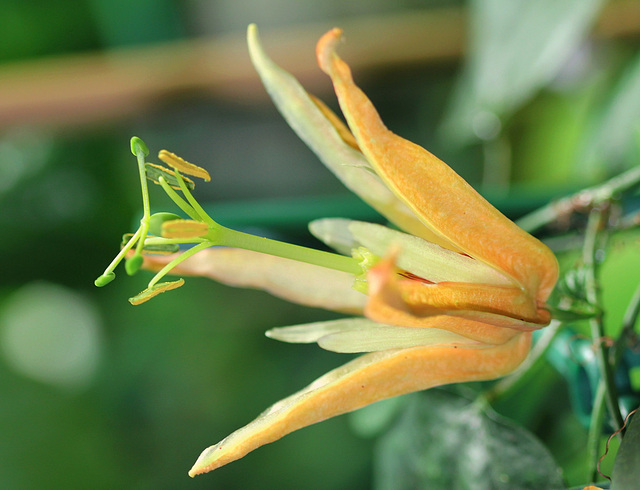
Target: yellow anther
184	228
155	290
181	165
154	172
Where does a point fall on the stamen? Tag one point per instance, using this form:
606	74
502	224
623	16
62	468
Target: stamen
156	172
184	228
200	230
183	166
155	290
153	248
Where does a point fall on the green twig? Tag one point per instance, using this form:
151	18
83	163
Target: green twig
595	431
592	242
583	199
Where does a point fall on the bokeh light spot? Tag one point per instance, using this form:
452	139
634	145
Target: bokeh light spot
51	334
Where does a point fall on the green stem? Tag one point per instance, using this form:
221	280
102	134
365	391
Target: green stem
123	252
201	212
180	258
220	235
181	203
146	208
232	238
582	199
597	219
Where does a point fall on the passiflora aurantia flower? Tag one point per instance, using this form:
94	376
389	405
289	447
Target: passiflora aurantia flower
452	297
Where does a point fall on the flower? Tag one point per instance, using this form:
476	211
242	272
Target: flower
451	298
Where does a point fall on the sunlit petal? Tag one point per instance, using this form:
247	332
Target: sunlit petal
444	202
365	380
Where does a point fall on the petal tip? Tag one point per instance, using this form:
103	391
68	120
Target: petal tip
325	48
206	462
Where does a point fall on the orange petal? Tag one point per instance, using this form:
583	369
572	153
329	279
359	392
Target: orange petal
365	380
443	201
299	282
388	304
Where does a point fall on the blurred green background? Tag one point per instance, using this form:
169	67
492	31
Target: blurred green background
527	100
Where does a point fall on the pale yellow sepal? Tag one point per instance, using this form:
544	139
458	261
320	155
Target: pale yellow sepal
311	124
335	233
425	259
353	335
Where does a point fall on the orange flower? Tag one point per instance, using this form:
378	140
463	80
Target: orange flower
452	298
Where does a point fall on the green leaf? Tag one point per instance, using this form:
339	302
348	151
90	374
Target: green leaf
611	141
626	469
443	441
517	47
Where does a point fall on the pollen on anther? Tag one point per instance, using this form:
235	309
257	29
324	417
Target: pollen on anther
181	165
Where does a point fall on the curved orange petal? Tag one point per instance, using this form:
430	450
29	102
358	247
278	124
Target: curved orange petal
444	202
365	380
390	302
327	137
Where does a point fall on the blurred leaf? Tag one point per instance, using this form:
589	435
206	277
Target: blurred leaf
373	419
626	470
516	47
443	441
612	139
619	275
